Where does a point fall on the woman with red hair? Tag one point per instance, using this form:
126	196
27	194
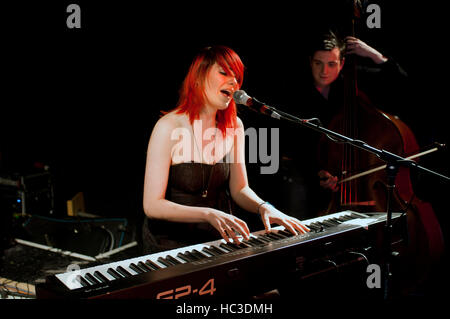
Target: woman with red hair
195	170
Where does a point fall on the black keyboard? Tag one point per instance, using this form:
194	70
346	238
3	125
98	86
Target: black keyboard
215	268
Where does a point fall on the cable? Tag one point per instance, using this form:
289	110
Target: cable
360	254
112	238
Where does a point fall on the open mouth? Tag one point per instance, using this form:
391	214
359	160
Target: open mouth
226	93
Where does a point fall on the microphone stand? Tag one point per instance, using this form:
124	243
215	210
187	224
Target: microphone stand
393	162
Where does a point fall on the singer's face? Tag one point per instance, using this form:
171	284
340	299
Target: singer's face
219	87
325	67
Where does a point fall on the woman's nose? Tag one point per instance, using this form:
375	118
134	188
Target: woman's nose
233	82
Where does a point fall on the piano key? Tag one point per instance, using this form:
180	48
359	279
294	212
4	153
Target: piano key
320	226
82	281
91	279
114	273
135	268
272	236
199	254
264	239
123	271
313	228
285	233
144	267
236	246
185	258
280	236
210	251
152	265
345	217
226	247
173	260
336	220
191	255
164	262
254	242
267	236
217	250
100	277
245	244
331	222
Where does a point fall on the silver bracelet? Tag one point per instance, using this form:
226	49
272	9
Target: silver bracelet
259	206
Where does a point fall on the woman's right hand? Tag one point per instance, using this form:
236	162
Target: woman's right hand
227	225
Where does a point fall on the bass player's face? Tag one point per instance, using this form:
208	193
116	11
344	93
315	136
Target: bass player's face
325	67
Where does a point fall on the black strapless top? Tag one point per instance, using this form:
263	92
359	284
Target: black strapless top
187	181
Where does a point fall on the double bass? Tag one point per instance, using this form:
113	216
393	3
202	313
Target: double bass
360	119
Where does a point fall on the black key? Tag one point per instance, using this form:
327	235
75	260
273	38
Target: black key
152	265
217	250
244	244
91	279
336	220
328	223
100	276
114	273
164	262
144	267
320	227
235	246
273	236
227	247
345	218
191	255
136	268
315	224
199	254
285	233
313	228
123	272
186	258
256	241
323	225
173	260
210	251
82	281
268	237
264	239
277	233
251	242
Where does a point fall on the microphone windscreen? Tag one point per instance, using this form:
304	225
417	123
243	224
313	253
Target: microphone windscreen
240	97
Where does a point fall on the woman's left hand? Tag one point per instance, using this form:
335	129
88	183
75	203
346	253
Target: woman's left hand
271	215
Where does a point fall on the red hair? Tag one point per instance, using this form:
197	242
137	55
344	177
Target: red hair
192	96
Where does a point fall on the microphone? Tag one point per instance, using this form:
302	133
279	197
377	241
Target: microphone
240	97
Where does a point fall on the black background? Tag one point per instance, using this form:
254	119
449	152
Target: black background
84	101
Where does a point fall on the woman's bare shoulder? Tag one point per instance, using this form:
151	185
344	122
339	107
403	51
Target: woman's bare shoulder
170	121
239	122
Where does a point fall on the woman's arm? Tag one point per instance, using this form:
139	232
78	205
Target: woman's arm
246	198
159	159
